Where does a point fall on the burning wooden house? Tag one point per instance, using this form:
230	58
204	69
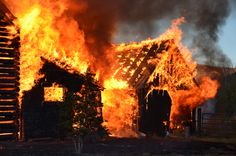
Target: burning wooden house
156	70
9	74
38	114
47	112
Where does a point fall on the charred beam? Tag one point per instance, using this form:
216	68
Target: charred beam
7	49
8	63
10	55
8	128
13	80
13	91
9	74
9	71
8	107
4	115
8	85
151	54
13	102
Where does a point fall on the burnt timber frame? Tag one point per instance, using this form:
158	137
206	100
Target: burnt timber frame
134	67
9	75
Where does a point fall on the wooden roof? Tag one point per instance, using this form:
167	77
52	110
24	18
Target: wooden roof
135	67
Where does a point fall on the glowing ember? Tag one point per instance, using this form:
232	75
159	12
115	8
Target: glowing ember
54	93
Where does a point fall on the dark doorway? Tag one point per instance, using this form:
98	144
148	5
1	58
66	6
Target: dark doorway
155	117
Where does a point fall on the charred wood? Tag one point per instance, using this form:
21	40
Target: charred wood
11	80
8	63
10	55
8	128
9	71
9	103
6	110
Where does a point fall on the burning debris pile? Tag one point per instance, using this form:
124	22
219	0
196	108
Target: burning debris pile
61	32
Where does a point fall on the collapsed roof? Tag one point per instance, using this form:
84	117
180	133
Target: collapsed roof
162	59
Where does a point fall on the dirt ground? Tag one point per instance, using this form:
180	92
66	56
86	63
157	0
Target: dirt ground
117	146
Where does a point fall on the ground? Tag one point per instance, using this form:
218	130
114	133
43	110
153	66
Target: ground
117	146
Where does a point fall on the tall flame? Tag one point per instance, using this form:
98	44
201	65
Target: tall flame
120	108
47	31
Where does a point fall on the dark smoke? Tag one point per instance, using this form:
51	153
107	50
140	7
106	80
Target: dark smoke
97	19
204	20
207	24
233	4
100	18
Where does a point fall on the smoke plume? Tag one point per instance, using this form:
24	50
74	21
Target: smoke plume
100	19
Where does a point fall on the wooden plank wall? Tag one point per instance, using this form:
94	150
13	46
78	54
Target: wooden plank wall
9	77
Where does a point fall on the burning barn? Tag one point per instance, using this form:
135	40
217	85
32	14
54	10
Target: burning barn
155	70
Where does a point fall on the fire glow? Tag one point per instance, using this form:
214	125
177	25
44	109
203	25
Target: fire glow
55	93
120	108
47	30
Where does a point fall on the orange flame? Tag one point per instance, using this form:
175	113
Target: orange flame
46	31
193	97
55	93
120	108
